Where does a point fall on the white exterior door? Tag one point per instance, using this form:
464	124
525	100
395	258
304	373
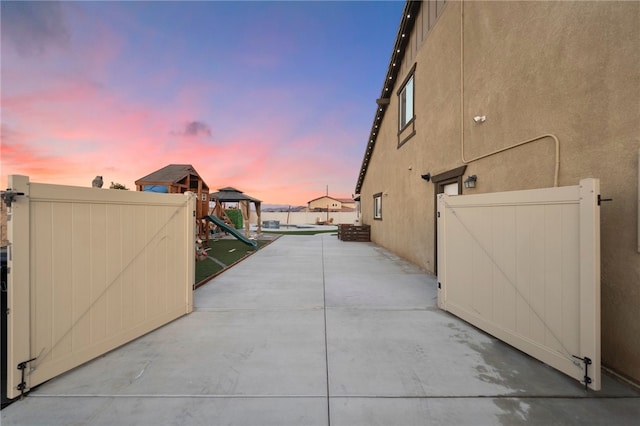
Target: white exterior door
451	189
524	266
89	270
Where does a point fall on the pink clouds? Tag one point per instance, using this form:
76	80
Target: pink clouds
19	158
253	163
102	104
76	131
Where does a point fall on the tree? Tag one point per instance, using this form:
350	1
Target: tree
118	186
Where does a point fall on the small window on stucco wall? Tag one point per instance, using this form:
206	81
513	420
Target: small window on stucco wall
406	110
406	103
377	206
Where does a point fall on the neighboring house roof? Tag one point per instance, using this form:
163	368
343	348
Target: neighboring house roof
409	14
342	200
230	194
173	173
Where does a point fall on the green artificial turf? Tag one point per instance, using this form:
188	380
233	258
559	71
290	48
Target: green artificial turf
226	252
205	269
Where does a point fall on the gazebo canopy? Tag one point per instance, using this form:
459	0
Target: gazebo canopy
231	195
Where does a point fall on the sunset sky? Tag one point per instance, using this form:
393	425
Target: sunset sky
273	98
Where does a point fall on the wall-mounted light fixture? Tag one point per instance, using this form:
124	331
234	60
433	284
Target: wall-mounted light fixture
480	118
470	181
426	176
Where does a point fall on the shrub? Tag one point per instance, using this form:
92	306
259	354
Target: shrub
236	217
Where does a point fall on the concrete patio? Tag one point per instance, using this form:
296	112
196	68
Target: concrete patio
311	330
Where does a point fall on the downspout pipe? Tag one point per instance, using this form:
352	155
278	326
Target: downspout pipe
537	138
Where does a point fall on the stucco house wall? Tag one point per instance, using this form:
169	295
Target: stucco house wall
325	202
540	72
347	203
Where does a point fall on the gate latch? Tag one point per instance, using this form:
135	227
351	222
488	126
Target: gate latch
9	196
600	199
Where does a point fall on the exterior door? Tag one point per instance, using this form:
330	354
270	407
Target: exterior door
451	189
449	183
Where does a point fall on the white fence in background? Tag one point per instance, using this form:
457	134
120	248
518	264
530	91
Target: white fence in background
305	218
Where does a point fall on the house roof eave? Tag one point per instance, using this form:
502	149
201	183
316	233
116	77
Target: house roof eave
409	13
324	196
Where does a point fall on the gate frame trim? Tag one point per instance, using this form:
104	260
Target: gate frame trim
18	281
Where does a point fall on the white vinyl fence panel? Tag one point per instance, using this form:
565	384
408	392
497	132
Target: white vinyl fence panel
525	267
305	218
89	270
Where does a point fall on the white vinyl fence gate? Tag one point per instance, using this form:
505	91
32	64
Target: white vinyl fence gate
89	270
524	266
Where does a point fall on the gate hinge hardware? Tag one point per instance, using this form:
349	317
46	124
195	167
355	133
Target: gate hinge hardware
587	362
23	384
600	199
9	196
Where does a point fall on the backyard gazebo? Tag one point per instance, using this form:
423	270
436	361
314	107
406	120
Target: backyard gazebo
233	195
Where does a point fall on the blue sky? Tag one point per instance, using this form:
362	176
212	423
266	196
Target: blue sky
273	98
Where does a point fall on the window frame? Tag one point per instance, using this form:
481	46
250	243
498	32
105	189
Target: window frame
440	181
402	109
403	102
377	206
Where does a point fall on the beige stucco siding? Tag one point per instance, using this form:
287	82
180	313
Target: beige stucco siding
567	69
324	203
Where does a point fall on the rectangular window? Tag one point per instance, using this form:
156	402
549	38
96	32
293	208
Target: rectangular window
406	103
377	206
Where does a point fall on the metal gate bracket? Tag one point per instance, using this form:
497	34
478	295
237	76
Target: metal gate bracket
9	196
23	384
587	362
600	199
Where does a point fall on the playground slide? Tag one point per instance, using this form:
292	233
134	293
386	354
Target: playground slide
233	231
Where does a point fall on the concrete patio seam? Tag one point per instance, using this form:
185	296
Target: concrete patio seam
227	396
177	396
326	339
274	309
